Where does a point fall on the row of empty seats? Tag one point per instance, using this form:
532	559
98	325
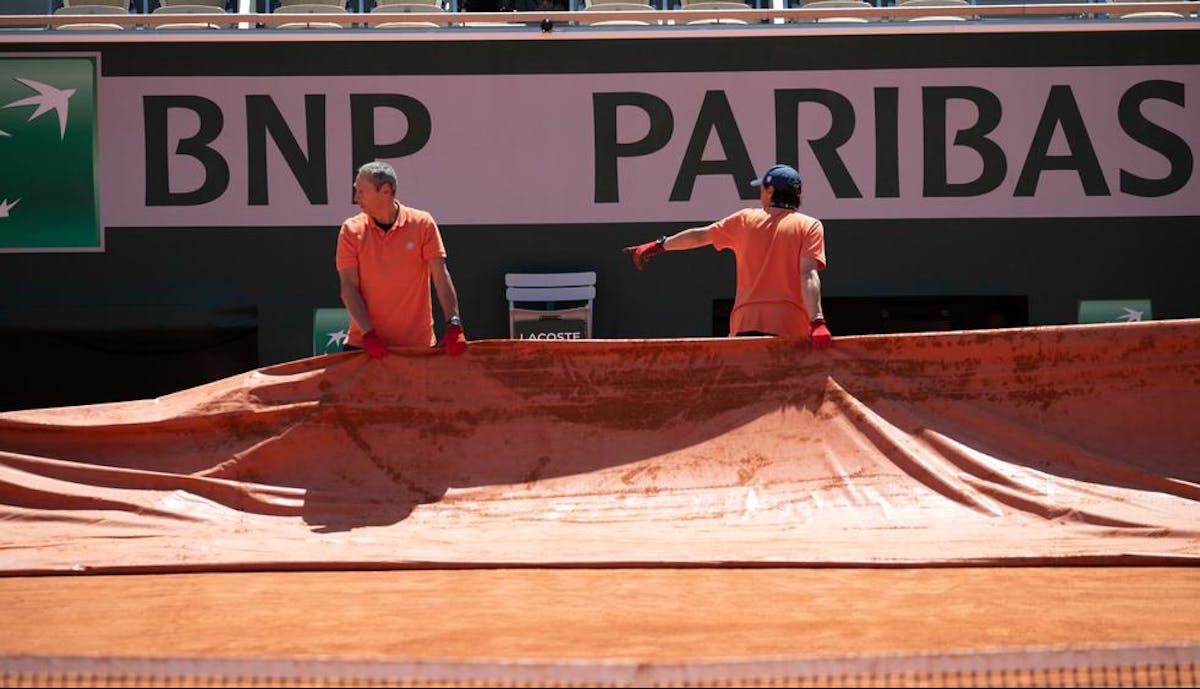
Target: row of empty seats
96	10
334	14
832	6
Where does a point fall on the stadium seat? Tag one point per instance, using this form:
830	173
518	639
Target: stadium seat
715	5
935	3
388	5
550	305
312	23
119	4
91	11
408	7
1160	14
190	9
616	6
1085	5
838	5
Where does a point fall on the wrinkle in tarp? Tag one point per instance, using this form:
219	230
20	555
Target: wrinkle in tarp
1047	445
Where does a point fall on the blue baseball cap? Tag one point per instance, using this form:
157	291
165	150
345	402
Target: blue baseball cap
779	177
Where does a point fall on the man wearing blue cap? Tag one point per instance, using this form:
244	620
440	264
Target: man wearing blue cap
779	254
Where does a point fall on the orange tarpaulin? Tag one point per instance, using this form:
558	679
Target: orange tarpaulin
1073	444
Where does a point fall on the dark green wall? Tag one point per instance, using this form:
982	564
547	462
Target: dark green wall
189	277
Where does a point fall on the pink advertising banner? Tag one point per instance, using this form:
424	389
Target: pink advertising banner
653	147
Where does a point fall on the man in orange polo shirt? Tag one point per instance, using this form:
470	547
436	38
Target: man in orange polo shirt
779	253
386	256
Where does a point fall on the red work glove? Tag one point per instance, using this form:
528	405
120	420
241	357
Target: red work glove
821	337
455	341
374	344
643	252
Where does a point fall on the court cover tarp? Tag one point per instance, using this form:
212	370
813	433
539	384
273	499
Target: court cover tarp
1049	445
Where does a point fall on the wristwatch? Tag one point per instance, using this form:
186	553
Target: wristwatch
454	320
819	320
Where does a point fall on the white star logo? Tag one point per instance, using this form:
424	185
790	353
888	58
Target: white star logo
5	207
48	98
1130	315
337	337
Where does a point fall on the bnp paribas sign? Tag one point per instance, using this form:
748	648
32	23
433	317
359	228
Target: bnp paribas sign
48	196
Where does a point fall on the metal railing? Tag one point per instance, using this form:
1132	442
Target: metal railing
1189	10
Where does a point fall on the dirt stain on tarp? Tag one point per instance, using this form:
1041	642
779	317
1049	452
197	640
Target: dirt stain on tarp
385	465
749	467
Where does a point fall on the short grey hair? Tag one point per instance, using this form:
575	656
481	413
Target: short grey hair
378	172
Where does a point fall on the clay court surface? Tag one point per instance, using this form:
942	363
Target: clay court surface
623	614
632	617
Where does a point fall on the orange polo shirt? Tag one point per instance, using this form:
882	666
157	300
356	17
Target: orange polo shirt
393	274
767	246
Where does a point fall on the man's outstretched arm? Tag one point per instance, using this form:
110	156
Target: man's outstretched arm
691	238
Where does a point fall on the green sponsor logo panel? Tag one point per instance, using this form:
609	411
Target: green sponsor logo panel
330	328
48	178
1114	310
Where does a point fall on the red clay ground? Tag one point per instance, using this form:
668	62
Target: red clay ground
625	614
